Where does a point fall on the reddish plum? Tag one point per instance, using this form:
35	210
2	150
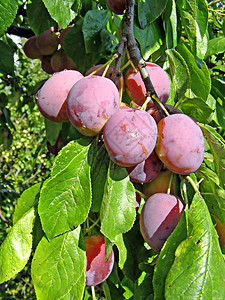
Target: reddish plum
159	217
91	102
52	95
117	6
130	136
135	87
119	80
147	170
180	144
97	269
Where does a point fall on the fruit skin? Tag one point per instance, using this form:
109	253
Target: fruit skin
97	269
159	217
130	136
53	94
147	170
46	64
135	87
30	48
91	102
60	61
117	6
119	80
180	144
47	42
158	185
62	34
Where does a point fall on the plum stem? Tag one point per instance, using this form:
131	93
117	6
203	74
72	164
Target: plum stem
191	181
93	225
93	293
106	65
170	183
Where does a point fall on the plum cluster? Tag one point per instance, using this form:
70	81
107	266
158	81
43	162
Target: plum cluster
149	146
48	47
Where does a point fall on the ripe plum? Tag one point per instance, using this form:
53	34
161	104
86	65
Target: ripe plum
180	144
117	6
97	269
147	170
159	217
119	80
130	136
52	95
91	102
135	87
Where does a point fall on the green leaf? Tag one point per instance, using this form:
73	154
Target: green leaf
180	74
99	170
149	11
8	10
118	204
77	290
194	18
136	253
52	131
150	38
171	24
197	109
94	22
65	198
6	59
61	11
58	265
167	256
16	248
200	78
213	194
27	200
145	290
76	50
216	46
218	92
217	147
198	266
38	17
119	242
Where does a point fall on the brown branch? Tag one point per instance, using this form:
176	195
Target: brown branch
135	53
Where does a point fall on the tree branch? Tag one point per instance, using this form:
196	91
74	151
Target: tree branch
20	31
135	53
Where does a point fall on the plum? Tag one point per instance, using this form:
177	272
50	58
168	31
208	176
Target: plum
180	144
91	102
158	185
119	80
159	217
46	64
47	42
60	61
147	170
30	48
97	269
130	136
117	6
135	87
53	94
